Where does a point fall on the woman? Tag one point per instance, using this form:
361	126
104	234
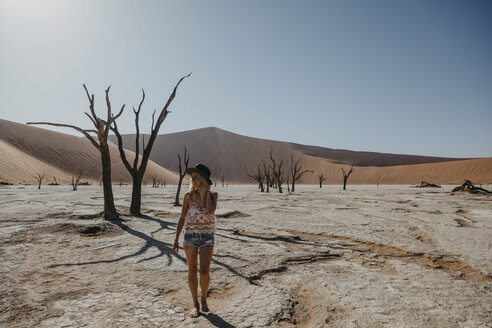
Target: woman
198	220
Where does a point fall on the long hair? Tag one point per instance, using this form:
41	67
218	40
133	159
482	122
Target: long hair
201	190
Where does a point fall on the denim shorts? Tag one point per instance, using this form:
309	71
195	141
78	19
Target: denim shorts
199	240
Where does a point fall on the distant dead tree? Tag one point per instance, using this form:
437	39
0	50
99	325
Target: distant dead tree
346	175
321	178
154	181
54	183
182	174
136	171
278	173
296	171
425	184
222	179
471	188
288	185
75	181
268	175
377	181
259	177
39	177
102	128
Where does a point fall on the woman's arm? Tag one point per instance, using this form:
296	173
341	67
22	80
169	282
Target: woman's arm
181	222
211	202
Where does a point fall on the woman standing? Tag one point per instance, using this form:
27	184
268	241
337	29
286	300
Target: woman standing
198	220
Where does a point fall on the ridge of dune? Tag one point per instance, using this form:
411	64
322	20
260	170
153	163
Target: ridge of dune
28	150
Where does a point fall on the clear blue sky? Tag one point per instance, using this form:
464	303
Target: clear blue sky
411	77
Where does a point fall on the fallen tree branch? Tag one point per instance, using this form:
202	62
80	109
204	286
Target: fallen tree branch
469	187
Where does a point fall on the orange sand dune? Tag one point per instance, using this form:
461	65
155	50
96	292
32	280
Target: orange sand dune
27	150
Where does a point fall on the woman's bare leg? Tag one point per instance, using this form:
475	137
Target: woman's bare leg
192	259
205	253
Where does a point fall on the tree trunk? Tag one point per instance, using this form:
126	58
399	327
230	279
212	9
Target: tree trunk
293	184
345	182
109	208
135	206
176	201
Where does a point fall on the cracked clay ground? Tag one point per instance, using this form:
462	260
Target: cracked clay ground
387	256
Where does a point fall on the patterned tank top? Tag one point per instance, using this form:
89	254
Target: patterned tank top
197	221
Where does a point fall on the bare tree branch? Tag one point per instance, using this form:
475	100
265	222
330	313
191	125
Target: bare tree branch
90	117
114	128
91	107
152	127
108	105
84	132
162	116
295	170
346	175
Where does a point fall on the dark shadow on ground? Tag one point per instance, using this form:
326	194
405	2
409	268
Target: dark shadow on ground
164	248
217	321
162	223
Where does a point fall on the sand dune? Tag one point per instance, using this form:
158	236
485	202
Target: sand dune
234	156
32	150
27	150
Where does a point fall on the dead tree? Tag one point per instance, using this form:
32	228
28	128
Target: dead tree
288	185
101	131
75	181
424	184
469	187
54	183
296	171
278	173
154	181
280	178
222	179
137	172
182	173
39	178
321	178
259	177
346	175
268	176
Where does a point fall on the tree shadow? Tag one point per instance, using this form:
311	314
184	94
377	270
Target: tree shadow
164	224
217	321
164	248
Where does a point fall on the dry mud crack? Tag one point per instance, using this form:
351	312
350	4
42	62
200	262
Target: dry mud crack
456	267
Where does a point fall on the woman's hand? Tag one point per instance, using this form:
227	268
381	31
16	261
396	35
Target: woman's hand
176	247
